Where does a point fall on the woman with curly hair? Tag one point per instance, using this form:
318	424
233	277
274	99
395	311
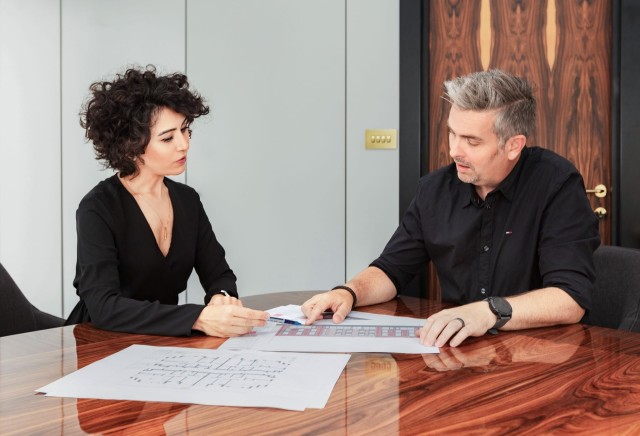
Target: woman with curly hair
140	234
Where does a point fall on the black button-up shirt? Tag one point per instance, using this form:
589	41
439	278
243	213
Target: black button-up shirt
535	230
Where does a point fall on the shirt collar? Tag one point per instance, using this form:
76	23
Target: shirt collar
507	187
509	184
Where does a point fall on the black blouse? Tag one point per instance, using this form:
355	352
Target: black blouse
124	281
535	230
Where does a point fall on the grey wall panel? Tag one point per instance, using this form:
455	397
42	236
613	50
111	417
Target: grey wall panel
372	103
270	163
30	242
99	39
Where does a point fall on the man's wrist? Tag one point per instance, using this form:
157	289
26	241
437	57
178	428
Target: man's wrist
502	310
351	291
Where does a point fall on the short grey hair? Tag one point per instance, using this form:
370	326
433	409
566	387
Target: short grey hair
510	95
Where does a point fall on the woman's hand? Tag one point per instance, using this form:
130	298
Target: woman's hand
220	300
228	318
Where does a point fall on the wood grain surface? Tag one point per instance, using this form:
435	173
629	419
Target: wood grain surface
569	379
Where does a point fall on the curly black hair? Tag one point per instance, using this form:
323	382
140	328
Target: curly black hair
119	114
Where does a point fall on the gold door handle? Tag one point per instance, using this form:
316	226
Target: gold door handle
599	190
600	212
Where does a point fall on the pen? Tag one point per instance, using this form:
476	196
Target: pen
283	321
327	315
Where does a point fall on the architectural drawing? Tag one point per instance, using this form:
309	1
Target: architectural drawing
204	371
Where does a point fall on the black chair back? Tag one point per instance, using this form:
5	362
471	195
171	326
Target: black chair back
616	299
17	314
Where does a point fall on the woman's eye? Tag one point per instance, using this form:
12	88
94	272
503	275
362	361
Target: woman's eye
167	139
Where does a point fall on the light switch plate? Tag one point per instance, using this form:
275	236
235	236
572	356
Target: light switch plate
381	138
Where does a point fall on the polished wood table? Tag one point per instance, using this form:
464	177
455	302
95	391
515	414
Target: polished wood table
568	379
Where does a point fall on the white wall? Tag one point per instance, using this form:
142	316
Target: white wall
99	39
373	102
271	171
30	167
281	167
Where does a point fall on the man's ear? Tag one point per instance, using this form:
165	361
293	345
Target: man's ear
514	146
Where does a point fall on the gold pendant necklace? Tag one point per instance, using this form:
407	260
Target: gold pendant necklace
165	224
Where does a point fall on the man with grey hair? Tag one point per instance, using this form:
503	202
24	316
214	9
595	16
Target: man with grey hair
508	227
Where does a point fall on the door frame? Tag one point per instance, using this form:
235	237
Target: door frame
625	114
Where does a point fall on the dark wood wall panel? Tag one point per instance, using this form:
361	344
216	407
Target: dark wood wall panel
580	124
454	50
518	46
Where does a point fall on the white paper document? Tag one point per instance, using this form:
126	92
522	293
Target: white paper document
293	381
360	332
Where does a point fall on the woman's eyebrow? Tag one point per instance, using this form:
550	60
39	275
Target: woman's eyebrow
166	131
184	122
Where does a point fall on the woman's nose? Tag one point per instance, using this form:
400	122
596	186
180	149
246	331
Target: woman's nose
183	143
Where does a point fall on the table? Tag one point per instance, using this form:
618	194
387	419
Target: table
566	379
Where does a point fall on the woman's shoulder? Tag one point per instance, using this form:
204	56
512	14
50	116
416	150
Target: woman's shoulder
105	195
184	191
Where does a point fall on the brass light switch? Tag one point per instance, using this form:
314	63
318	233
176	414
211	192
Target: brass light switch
381	139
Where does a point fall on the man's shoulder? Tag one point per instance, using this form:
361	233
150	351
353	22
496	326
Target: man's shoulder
439	178
546	172
440	185
548	161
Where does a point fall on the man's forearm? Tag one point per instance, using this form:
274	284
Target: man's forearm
543	307
372	286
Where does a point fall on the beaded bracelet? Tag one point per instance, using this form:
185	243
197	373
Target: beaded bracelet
353	294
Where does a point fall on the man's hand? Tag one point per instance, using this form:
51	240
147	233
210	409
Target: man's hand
457	324
371	286
339	301
227	320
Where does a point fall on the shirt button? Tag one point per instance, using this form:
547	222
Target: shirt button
485	248
483	291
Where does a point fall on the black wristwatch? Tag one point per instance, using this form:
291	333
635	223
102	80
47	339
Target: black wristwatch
502	309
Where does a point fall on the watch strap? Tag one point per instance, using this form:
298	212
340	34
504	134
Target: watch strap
502	318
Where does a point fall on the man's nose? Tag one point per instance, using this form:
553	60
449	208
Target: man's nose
454	147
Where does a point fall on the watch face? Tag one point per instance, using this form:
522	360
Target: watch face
501	306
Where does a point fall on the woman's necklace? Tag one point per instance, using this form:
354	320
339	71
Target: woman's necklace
165	223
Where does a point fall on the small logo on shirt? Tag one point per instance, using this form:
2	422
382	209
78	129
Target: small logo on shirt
508	232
